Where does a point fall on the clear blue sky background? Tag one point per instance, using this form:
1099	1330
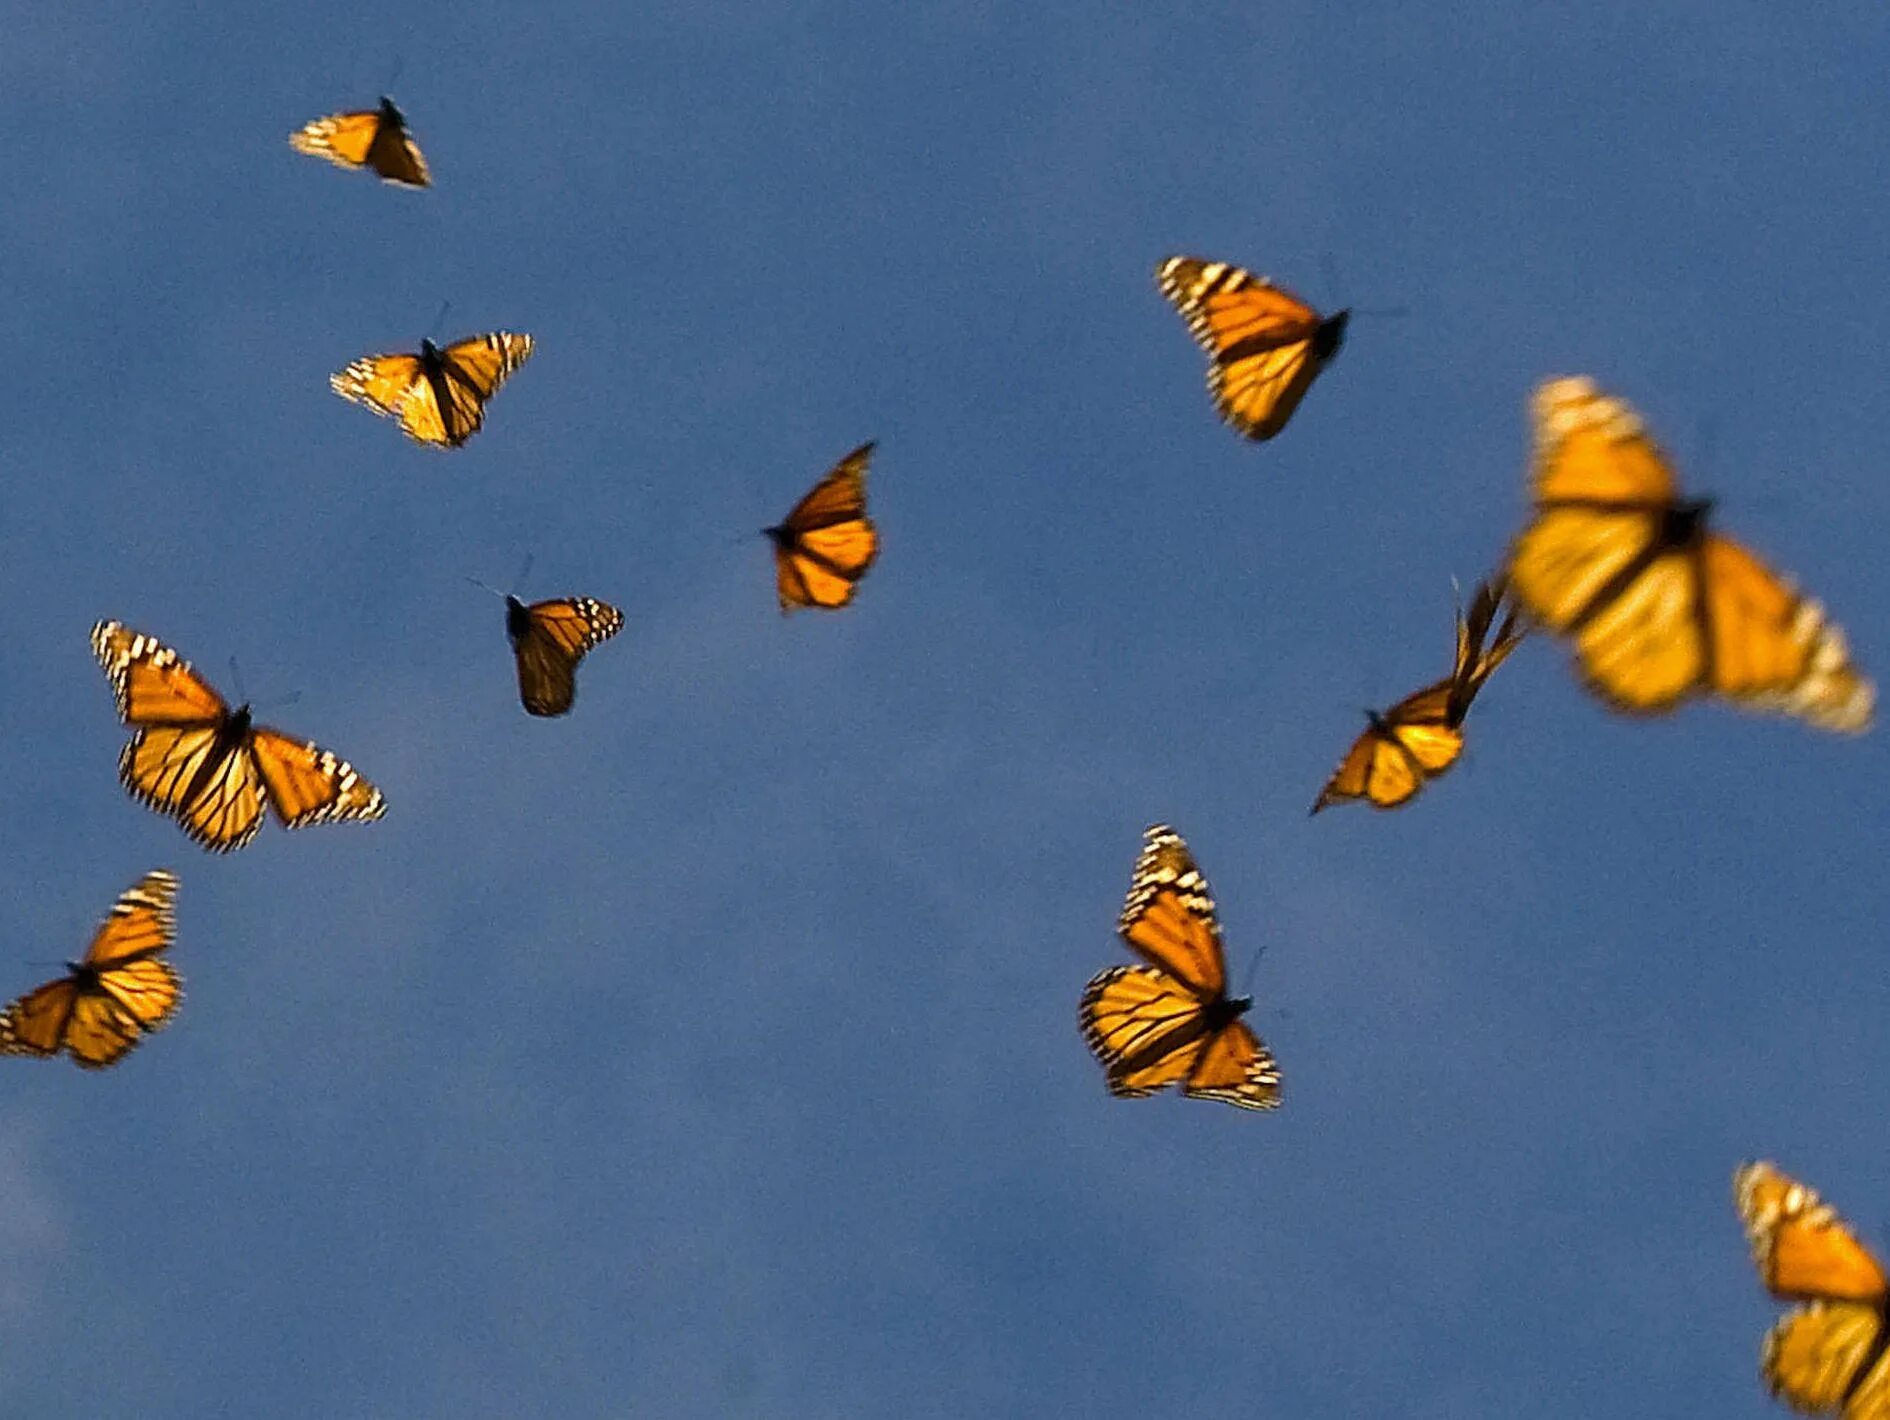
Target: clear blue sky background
712	1052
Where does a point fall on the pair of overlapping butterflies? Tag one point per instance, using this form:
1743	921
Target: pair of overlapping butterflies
1658	607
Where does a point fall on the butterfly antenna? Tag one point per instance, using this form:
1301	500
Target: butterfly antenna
1253	964
524	571
236	679
434	329
1382	312
487	585
282	701
388	87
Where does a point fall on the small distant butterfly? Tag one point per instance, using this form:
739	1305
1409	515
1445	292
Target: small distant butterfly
1658	607
439	396
824	546
1421	736
549	639
1172	1022
372	138
1265	345
111	998
1827	1357
208	766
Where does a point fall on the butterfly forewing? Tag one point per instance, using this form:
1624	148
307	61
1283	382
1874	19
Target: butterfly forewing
1169	917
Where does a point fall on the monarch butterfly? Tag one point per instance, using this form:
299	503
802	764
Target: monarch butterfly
1172	1022
1658	607
109	999
1265	345
372	138
825	544
439	396
1421	736
208	766
1828	1356
548	640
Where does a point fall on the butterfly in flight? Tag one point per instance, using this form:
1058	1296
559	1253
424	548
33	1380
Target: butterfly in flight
372	138
439	395
1658	607
548	640
1421	736
1265	346
113	996
1826	1357
208	766
823	547
1172	1022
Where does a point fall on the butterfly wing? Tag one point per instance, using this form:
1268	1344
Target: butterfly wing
1474	663
1816	1358
1145	1027
826	543
1168	916
1235	1067
1265	345
1397	752
471	372
387	384
306	784
151	684
372	138
35	1024
557	634
206	783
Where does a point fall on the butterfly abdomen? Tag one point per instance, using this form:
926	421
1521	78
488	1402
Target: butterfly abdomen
1223	1011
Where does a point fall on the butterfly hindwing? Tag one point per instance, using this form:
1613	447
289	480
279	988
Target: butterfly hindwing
1265	346
307	784
377	139
827	542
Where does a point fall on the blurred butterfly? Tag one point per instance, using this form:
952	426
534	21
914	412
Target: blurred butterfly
1172	1022
208	766
373	138
824	546
1421	736
548	640
439	396
109	999
1828	1356
1264	344
1658	607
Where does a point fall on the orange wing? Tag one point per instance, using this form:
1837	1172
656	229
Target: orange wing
1264	344
826	544
151	684
1168	915
1828	1355
372	138
1474	664
551	639
1398	752
118	993
1658	608
1235	1067
1145	1027
306	784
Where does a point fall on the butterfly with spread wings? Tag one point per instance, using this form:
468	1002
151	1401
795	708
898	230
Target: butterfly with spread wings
549	638
439	395
208	766
1421	736
111	998
1658	607
824	546
1172	1022
1265	346
1827	1357
376	139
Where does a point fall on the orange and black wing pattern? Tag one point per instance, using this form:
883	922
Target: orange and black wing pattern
439	395
825	545
549	638
208	767
1657	607
1419	738
1265	346
376	139
1171	1022
110	999
1827	1356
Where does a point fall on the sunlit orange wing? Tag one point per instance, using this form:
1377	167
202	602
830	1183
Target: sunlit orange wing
826	543
1145	1027
306	784
151	684
1398	752
1169	917
1265	346
1235	1067
377	139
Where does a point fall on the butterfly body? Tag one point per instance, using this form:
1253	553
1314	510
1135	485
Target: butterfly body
1171	1022
1265	346
121	990
1658	606
211	768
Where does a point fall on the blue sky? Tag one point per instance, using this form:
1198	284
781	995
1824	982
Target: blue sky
712	1051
